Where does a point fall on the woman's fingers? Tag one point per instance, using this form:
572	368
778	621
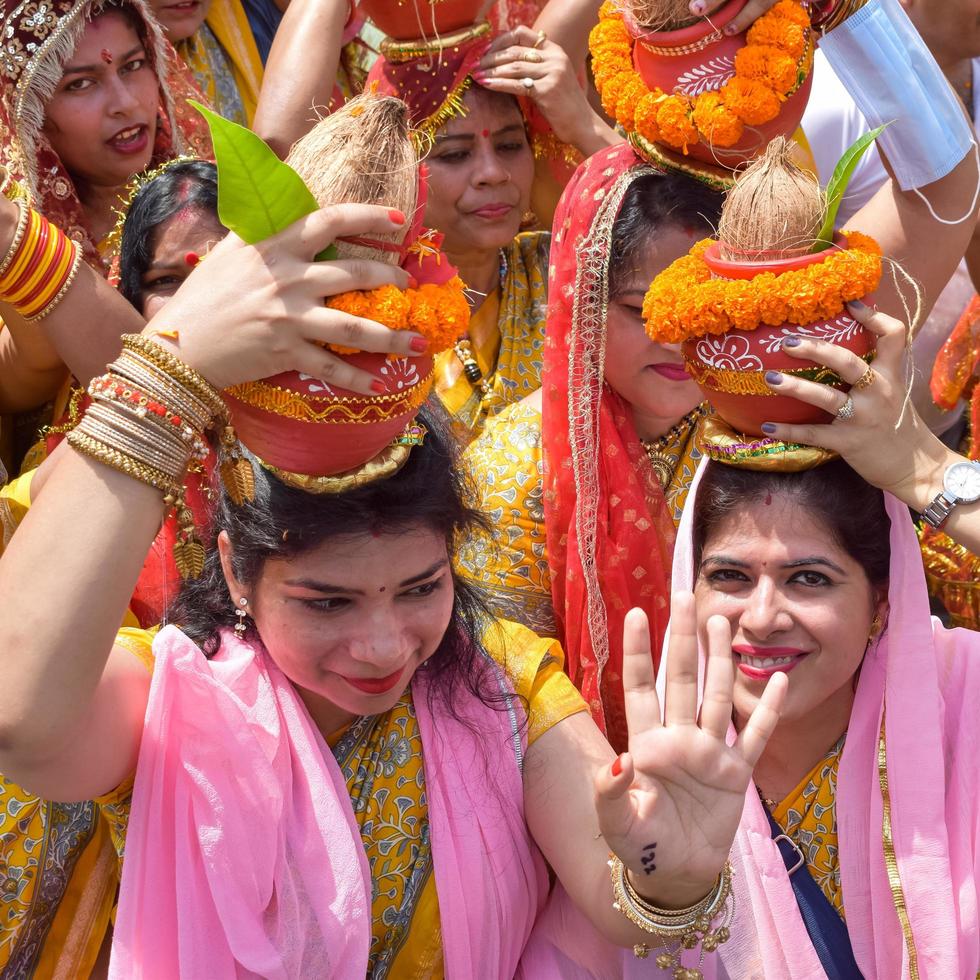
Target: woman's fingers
639	681
345	275
754	737
716	703
891	333
328	326
322	364
613	804
311	234
839	359
750	13
812	392
681	695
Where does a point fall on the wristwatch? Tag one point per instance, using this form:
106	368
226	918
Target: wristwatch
961	485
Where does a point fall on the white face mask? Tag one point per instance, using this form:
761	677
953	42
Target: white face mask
889	72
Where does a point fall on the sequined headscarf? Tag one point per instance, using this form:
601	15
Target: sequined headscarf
38	38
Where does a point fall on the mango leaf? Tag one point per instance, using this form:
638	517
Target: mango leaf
258	194
838	184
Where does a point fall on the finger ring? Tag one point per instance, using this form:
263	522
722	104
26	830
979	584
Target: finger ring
846	411
528	83
865	381
542	37
533	57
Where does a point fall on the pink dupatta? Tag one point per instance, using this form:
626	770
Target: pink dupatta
243	858
910	895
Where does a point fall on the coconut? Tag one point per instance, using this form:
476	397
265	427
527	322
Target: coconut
774	211
362	154
658	15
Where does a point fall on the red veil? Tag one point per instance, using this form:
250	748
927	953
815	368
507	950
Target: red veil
610	535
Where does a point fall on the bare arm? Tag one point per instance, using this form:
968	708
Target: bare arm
568	23
301	71
70	710
31	372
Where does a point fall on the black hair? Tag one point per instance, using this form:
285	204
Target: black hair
282	522
651	203
851	509
188	185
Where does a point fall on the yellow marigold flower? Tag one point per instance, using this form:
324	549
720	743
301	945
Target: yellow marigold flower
779	33
611	92
769	65
629	99
646	116
790	10
717	124
751	101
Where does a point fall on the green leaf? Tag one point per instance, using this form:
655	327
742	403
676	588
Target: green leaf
258	194
838	184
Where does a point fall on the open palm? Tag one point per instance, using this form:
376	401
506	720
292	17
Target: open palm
672	811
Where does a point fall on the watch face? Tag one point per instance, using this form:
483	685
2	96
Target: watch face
963	481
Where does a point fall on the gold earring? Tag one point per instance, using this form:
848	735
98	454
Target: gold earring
529	219
876	625
241	627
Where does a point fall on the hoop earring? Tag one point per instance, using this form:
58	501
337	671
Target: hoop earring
241	627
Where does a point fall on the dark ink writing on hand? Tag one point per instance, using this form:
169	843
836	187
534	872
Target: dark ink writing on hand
648	859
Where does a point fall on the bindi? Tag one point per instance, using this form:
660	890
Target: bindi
485	133
383	587
106	56
768	498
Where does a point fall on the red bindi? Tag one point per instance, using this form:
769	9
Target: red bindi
485	133
106	56
768	499
192	258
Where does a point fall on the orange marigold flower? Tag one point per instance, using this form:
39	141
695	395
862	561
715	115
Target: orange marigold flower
779	33
676	128
717	124
769	65
629	99
751	101
789	10
611	92
646	115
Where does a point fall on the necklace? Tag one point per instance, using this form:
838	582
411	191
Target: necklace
663	460
463	349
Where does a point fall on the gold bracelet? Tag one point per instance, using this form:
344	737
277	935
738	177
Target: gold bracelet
25	213
141	373
180	372
687	928
99	451
138	439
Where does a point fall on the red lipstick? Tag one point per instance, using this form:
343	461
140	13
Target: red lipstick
376	685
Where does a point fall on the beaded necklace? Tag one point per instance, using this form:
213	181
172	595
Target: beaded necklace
665	452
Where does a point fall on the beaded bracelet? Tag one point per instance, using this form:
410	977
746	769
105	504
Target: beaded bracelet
39	267
688	927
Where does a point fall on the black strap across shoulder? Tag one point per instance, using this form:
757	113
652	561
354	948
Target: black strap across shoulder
826	928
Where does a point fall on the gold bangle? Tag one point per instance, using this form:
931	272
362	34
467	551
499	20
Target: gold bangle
397	51
687	928
119	461
18	236
138	372
178	371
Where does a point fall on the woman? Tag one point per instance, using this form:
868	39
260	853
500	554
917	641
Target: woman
811	580
482	168
57	910
606	539
333	625
214	39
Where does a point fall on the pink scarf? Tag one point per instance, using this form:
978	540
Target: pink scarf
926	680
243	858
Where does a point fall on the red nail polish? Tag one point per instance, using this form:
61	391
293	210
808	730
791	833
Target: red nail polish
617	766
396	216
419	344
378	386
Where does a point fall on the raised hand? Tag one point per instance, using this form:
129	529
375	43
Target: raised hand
746	17
250	311
671	810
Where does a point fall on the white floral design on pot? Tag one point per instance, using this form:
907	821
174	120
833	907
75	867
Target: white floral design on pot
836	331
727	353
708	77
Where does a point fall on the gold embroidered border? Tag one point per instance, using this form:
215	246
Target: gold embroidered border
891	862
336	409
652	154
387	463
399	51
732	382
693	48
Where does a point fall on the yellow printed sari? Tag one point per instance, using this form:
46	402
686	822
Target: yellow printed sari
507	340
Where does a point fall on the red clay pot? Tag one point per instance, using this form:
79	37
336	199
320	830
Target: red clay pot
348	428
702	59
754	352
406	20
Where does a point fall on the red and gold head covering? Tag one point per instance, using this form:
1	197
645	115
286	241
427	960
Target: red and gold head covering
37	38
610	534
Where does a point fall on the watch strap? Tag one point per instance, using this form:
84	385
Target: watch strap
937	513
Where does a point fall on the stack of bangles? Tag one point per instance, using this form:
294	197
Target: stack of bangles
39	266
148	419
676	930
825	15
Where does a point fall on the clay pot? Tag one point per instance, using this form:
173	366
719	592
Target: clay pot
753	352
701	59
318	430
406	20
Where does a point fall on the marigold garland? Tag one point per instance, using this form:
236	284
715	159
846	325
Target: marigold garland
439	313
775	60
686	301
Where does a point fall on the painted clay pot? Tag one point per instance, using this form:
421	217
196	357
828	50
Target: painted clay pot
698	59
406	20
730	368
298	423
